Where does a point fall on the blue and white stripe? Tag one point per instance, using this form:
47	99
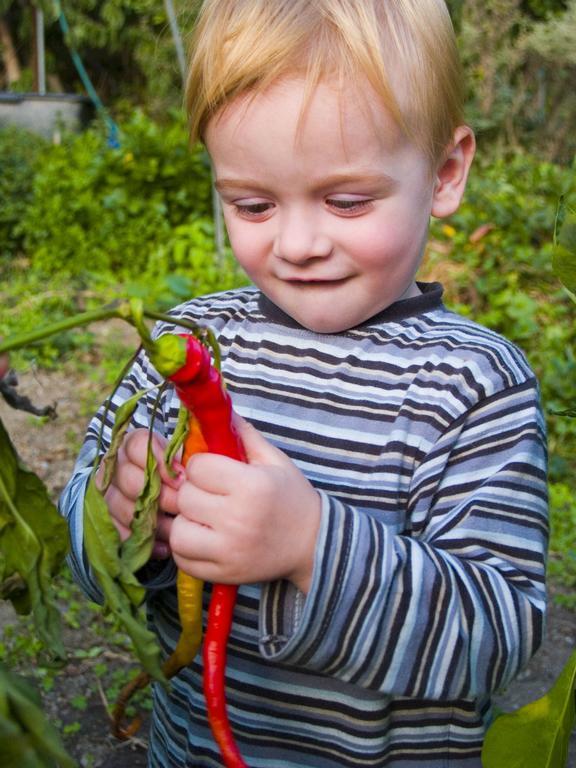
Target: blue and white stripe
423	433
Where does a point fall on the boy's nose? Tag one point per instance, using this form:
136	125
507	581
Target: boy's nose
299	239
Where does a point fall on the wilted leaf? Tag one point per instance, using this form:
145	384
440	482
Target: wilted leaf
136	550
564	257
537	735
566	236
122	419
178	437
27	739
33	544
122	591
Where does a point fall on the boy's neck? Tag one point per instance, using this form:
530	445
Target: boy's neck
429	298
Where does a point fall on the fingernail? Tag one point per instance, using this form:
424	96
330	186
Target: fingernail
177	474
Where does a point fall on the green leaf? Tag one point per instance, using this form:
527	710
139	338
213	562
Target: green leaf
122	591
33	544
564	255
136	550
564	266
122	420
537	735
27	739
566	236
178	437
569	412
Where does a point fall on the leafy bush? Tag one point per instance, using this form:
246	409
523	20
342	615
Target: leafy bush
187	265
19	152
137	221
562	560
98	208
30	300
494	257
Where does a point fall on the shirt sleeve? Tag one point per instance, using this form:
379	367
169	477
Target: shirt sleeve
453	606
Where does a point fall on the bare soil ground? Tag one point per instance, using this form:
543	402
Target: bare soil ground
50	450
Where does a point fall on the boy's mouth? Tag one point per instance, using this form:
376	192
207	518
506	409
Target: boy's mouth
316	282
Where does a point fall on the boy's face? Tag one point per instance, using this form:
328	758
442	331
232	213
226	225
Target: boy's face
329	217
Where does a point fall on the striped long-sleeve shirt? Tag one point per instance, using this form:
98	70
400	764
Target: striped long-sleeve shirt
423	434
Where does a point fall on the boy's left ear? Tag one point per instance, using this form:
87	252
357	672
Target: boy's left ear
452	174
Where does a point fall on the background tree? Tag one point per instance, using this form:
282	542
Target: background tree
520	59
519	56
125	45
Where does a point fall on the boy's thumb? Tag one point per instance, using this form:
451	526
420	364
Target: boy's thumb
258	449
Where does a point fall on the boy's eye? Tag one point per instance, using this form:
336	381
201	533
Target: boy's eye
252	209
348	206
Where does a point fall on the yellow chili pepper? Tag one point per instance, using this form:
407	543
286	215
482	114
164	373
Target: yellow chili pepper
189	593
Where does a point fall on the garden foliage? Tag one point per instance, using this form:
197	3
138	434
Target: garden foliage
96	222
33	542
495	258
89	222
19	151
97	208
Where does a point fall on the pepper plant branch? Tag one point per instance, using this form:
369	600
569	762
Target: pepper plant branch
124	310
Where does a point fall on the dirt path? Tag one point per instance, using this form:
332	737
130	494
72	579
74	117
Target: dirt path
50	449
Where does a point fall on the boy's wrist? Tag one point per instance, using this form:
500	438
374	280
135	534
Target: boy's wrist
301	576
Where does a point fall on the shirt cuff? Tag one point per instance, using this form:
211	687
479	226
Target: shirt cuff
308	630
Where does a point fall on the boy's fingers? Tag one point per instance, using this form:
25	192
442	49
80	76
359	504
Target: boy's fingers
220	474
136	448
199	501
121	508
168	501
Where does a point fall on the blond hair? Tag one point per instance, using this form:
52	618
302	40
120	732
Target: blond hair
404	49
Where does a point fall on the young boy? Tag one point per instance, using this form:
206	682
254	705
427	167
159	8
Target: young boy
389	530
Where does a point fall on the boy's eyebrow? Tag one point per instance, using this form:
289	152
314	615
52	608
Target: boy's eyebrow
372	179
222	184
337	179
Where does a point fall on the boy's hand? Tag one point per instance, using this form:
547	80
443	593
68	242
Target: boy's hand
243	523
128	481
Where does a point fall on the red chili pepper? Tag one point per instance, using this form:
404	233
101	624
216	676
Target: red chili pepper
200	388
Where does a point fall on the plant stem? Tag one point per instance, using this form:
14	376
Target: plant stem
118	309
24	339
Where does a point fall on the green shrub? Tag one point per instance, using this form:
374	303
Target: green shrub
95	208
137	221
495	259
19	152
562	557
187	265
